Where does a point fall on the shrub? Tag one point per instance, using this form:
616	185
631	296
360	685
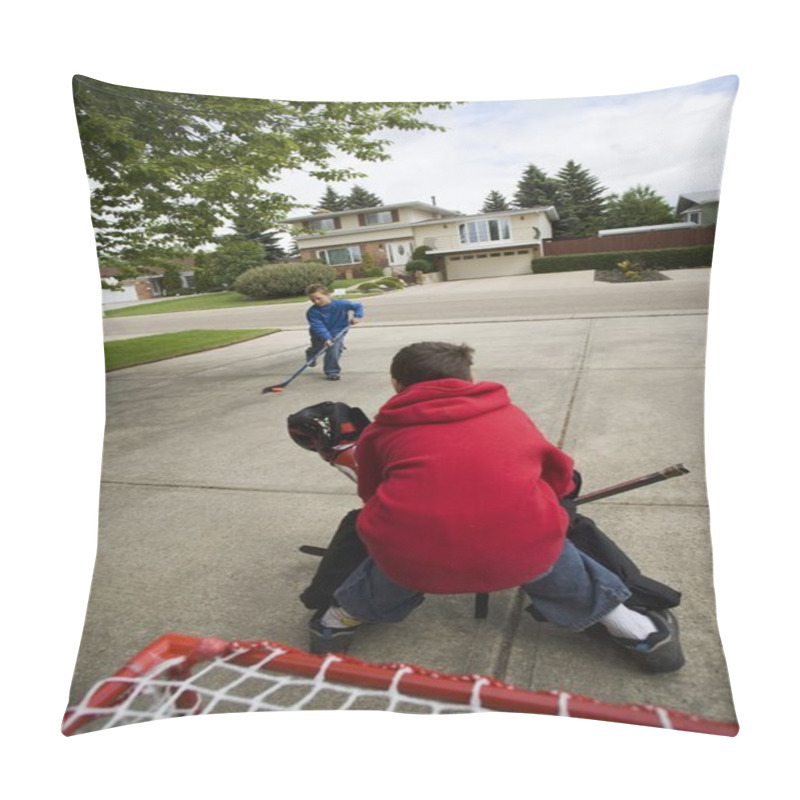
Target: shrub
283	280
369	269
421	265
387	283
668	258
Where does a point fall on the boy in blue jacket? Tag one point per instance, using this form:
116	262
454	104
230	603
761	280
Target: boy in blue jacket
327	318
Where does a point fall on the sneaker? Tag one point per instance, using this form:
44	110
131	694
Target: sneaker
660	651
332	377
329	640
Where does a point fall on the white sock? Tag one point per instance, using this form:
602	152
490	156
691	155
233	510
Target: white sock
628	624
337	617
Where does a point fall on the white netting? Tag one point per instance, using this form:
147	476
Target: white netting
221	686
179	675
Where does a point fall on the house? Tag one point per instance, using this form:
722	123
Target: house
699	207
463	246
146	286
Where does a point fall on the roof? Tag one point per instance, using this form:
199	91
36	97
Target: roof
549	211
413	204
686	201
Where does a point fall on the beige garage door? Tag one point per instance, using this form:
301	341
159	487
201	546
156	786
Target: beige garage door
489	265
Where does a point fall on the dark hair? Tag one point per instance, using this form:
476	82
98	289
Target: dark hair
317	287
432	361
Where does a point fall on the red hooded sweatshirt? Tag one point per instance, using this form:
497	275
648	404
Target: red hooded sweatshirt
460	490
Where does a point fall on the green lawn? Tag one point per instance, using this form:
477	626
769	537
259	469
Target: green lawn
123	353
202	302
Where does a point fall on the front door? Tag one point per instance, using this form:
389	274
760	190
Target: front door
398	253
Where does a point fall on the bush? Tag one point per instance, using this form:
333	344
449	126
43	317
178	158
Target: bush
421	265
387	283
283	280
668	258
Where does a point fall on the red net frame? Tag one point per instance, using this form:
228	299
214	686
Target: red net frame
169	662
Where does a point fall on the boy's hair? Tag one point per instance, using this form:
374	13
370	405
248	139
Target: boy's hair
432	361
317	287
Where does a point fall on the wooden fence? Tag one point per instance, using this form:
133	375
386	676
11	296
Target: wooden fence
648	240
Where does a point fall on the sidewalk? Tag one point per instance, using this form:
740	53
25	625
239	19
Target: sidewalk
205	499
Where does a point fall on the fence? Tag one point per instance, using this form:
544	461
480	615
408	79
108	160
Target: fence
648	240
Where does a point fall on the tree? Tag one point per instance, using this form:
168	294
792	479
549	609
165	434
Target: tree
535	189
172	170
332	200
579	202
637	206
219	269
246	226
494	202
359	197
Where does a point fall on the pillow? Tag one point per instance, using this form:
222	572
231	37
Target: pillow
568	242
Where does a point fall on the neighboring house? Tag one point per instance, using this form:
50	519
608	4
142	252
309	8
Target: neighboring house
475	246
699	207
144	287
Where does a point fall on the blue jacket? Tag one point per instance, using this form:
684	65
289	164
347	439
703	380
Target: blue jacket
325	322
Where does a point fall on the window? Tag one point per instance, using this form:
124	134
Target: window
339	256
484	230
327	224
378	218
693	216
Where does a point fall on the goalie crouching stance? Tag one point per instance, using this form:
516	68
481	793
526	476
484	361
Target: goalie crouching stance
463	494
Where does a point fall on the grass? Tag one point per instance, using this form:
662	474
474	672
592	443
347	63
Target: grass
203	302
123	353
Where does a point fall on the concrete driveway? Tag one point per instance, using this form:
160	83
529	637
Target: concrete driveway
205	499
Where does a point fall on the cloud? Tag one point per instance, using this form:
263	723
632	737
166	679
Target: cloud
671	139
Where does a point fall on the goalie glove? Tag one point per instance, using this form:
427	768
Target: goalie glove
330	429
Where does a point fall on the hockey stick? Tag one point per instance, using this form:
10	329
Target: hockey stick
636	483
279	387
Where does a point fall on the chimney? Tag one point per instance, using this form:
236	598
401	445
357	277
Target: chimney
433	200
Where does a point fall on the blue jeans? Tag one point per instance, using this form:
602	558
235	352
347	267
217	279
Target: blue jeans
330	363
575	593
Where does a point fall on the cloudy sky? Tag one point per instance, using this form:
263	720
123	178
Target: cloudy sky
672	140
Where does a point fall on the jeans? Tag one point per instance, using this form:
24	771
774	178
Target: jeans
330	363
575	593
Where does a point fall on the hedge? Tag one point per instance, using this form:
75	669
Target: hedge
283	280
668	258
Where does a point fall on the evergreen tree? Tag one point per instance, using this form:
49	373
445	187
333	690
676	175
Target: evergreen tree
637	206
249	225
534	189
332	200
359	197
494	202
579	202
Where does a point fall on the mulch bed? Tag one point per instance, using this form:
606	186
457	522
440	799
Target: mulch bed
617	276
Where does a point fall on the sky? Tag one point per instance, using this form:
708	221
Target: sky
672	140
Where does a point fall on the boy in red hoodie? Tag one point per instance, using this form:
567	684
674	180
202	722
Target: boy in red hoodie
463	494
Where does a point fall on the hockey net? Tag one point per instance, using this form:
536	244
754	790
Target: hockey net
181	675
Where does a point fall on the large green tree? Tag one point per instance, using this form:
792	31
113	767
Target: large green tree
219	269
639	205
579	201
170	171
535	188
